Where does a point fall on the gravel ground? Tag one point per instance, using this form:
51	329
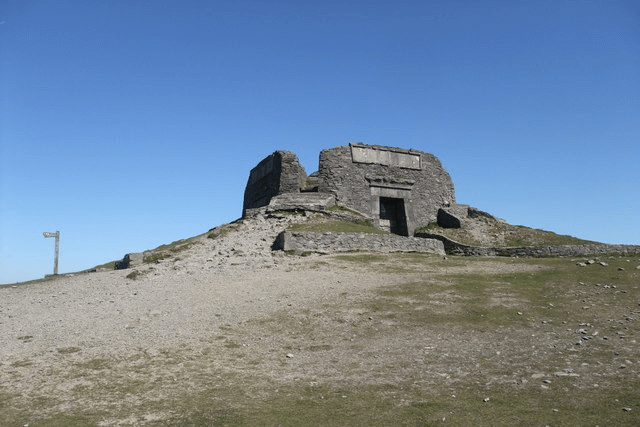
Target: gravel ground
231	304
215	283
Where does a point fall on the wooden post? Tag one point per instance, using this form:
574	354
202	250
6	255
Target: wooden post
55	258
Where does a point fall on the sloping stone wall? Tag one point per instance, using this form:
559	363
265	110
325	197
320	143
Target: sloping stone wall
454	248
336	242
357	175
279	173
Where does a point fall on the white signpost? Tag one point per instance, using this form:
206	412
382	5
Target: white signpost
55	259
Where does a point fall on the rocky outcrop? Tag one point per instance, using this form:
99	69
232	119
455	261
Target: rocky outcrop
130	260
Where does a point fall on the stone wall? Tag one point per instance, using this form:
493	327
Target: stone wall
359	175
335	242
279	173
454	248
451	217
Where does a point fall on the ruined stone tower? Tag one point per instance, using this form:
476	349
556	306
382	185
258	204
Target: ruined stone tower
398	189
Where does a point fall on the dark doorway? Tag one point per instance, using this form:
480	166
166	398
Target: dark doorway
392	210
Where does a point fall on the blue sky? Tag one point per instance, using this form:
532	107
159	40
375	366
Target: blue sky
130	124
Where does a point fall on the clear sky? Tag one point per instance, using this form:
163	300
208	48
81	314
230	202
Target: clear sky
130	124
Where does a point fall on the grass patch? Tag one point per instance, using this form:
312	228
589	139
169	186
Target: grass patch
97	364
68	350
108	266
169	250
136	274
501	234
337	226
222	231
391	404
22	363
31	282
338	208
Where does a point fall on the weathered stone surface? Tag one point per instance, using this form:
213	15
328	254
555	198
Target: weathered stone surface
129	260
360	175
399	189
301	201
334	242
452	216
279	173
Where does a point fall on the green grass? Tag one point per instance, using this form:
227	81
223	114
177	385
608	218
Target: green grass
68	350
512	235
222	231
337	226
136	274
31	282
338	208
169	250
109	265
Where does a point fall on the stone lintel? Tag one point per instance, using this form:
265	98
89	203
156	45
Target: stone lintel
387	156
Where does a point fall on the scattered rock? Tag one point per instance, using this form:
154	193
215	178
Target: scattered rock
289	356
565	374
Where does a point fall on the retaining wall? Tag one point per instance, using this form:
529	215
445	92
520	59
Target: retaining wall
336	242
454	248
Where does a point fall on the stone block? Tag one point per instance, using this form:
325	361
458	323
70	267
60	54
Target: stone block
301	201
